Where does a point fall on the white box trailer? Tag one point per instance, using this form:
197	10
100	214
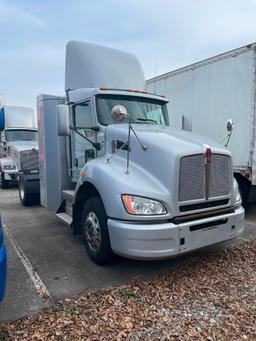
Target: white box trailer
212	91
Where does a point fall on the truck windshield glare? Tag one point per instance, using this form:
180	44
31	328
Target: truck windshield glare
142	110
20	135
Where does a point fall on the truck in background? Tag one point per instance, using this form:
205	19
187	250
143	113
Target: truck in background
114	170
212	91
19	159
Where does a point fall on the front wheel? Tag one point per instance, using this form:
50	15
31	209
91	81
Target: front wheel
26	198
95	232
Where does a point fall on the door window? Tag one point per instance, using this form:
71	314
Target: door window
83	117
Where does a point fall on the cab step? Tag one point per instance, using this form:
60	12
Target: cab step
64	217
68	194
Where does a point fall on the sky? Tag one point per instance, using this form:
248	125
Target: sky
163	34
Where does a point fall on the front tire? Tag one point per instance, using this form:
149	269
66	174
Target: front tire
26	198
95	232
4	183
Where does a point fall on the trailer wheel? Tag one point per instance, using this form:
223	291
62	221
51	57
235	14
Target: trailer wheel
26	198
4	183
95	232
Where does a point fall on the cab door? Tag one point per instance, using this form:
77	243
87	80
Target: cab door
82	150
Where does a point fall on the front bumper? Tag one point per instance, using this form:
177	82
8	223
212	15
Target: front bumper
2	271
164	240
10	175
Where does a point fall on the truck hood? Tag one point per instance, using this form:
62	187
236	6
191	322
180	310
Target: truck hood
165	140
23	145
165	148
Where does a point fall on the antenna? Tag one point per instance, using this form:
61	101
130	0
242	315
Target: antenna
155	72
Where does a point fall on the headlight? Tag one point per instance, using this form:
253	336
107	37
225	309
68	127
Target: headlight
238	200
9	166
142	206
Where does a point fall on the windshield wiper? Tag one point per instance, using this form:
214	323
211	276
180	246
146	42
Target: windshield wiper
146	120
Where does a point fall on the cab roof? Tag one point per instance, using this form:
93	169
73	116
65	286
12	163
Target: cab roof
85	93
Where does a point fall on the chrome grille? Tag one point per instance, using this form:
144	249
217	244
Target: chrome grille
192	177
29	160
220	175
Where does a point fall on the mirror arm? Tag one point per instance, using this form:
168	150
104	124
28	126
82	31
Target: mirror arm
224	138
96	128
96	145
228	136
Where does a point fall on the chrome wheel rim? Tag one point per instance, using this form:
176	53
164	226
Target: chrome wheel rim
92	231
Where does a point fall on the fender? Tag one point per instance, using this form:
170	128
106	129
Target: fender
84	190
110	181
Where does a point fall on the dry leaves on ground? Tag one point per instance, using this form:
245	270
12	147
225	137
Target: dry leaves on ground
211	299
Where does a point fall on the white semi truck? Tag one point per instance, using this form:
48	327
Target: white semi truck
116	172
19	152
211	92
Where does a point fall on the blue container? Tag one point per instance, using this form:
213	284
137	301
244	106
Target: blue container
2	123
2	262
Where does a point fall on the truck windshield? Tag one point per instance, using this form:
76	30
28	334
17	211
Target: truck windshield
20	135
143	110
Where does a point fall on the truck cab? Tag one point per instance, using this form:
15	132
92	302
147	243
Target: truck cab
120	175
19	151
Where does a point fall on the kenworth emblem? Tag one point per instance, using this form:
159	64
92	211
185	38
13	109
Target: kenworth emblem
207	170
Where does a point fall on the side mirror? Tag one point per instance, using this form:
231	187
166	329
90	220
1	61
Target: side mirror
63	122
230	125
2	121
186	123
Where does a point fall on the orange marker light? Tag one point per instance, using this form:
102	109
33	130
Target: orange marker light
128	204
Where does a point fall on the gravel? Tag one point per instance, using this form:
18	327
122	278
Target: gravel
213	298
